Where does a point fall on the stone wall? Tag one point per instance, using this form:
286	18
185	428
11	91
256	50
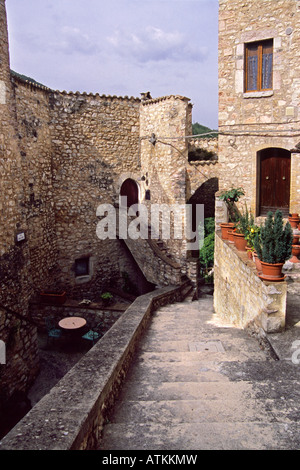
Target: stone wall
250	122
164	160
240	296
95	148
16	279
90	388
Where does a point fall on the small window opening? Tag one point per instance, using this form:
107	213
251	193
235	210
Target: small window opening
82	267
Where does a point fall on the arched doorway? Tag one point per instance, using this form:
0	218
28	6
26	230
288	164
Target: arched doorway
205	195
274	165
130	190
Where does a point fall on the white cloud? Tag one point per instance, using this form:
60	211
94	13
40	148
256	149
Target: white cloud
154	44
72	40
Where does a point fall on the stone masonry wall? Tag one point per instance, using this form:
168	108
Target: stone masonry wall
240	296
37	206
95	148
164	162
249	122
18	334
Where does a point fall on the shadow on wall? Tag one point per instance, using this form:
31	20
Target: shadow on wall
134	281
205	194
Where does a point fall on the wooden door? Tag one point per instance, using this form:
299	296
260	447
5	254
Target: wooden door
275	169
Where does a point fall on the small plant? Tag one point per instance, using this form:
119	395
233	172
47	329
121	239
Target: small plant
206	253
250	237
245	222
274	242
107	297
230	197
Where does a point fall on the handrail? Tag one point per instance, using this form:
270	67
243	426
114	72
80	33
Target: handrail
18	315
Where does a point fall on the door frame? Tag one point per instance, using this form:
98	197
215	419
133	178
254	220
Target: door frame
259	155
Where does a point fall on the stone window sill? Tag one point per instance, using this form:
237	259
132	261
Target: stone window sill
82	279
258	94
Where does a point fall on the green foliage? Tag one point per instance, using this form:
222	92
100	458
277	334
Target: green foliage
200	129
245	222
231	196
200	155
274	243
206	253
253	233
106	296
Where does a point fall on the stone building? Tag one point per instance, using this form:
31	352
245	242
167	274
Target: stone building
259	135
62	155
259	94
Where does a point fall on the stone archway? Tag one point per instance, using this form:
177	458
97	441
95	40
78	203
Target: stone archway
205	195
130	190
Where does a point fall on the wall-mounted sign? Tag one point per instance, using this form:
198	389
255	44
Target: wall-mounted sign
20	236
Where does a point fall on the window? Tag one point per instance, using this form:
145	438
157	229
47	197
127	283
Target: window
82	267
259	66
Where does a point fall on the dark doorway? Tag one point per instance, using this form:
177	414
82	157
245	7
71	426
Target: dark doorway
130	190
274	180
205	195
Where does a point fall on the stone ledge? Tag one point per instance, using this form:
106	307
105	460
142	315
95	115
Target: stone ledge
72	415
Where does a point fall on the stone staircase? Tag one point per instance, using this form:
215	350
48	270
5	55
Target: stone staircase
153	258
199	384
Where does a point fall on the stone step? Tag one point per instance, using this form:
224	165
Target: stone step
197	383
235	410
202	436
206	390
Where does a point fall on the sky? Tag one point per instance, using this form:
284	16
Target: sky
120	47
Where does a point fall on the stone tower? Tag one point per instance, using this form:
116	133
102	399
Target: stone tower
9	155
18	335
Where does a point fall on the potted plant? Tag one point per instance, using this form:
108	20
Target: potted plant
294	220
53	297
230	197
254	231
242	229
274	246
106	298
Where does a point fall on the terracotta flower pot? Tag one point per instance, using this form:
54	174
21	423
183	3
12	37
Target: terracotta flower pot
240	241
294	221
295	254
224	229
55	298
257	262
230	236
272	272
295	240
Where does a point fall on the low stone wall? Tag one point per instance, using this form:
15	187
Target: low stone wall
72	415
240	296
